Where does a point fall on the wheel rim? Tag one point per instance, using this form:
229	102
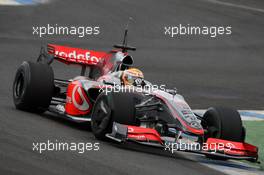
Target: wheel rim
19	86
101	115
214	132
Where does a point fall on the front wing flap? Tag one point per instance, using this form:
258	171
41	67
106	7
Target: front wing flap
212	147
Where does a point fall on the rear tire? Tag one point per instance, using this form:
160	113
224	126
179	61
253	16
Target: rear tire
33	87
113	107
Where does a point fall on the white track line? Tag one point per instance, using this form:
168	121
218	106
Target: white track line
9	2
234	167
255	115
230	167
22	2
236	5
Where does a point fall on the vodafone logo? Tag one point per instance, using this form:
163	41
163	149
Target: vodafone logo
74	56
78	93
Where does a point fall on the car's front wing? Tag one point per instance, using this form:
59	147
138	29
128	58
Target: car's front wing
212	147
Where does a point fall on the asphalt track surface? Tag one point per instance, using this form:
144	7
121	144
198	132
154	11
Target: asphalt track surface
224	71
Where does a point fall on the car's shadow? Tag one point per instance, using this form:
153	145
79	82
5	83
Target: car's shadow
128	146
84	126
147	149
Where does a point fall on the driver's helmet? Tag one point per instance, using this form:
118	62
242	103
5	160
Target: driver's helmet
132	76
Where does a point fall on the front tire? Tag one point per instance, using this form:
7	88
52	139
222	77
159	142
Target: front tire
223	123
113	107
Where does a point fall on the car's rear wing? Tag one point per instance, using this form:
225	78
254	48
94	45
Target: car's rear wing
99	62
69	55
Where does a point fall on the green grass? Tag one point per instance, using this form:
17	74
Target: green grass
255	136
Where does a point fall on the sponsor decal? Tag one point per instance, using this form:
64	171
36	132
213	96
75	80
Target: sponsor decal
77	91
76	55
130	129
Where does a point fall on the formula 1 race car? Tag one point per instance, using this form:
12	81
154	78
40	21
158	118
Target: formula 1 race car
122	106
